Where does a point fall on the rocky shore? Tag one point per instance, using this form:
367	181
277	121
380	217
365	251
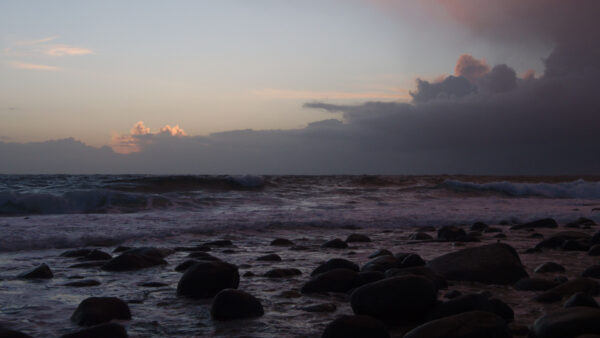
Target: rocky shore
537	279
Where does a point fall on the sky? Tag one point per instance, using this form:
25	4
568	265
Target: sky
300	87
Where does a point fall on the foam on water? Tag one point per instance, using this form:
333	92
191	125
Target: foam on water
574	189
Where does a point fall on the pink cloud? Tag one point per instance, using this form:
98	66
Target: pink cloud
470	67
140	136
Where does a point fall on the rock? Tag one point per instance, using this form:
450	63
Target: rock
355	327
568	288
76	253
557	240
97	310
420	236
122	249
8	333
335	263
452	294
403	299
580	299
135	259
336	280
96	255
153	284
534	284
500	236
219	243
248	274
596	238
412	260
549	267
478	226
542	223
439	281
282	272
203	256
592	272
489	264
83	283
536	235
503	310
185	265
206	279
112	330
492	230
270	258
581	222
381	263
450	233
325	307
202	248
470	302
381	252
357	238
289	294
282	242
570	322
299	248
235	304
335	244
42	271
594	250
87	265
470	324
582	244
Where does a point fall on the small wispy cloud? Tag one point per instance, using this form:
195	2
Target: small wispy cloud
32	66
64	50
36	42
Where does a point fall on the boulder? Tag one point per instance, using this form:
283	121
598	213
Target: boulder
8	333
592	271
185	265
235	304
281	242
439	281
270	258
549	267
594	250
339	280
219	243
381	252
356	327
581	222
568	288
96	255
472	324
471	302
557	240
580	299
569	322
381	263
450	233
76	253
335	263
398	299
335	244
112	330
478	226
535	284
203	256
40	272
206	279
97	310
83	283
420	236
542	223
135	259
282	273
489	264
352	238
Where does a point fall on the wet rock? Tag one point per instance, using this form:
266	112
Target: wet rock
542	223
153	284
536	235
356	327
336	280
557	240
489	264
503	310
135	259
478	226
235	304
352	238
420	236
83	283
206	279
549	267
325	307
492	230
112	330
580	299
582	244
398	299
270	258
97	310
570	322
203	256
185	265
282	273
289	294
248	274
96	255
282	242
451	233
470	302
594	250
8	333
534	284
335	263
596	238
335	244
381	263
87	265
452	294
122	249
463	325
412	260
40	272
299	248
202	248
592	272
500	236
439	281
381	252
581	222
76	253
569	288
219	243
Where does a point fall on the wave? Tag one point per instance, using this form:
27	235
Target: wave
160	184
575	189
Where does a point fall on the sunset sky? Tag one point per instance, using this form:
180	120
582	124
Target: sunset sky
133	75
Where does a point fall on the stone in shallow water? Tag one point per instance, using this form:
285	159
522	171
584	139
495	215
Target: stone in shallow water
335	263
581	299
96	255
185	265
592	272
282	272
420	236
450	233
569	288
467	324
219	243
356	327
535	284
381	252
112	330
352	238
282	242
570	322
83	283
549	267
206	279
325	307
336	280
76	253
270	258
335	244
8	333
203	256
40	272
97	310
135	259
235	304
542	223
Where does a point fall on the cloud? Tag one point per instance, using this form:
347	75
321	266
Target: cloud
32	66
448	88
139	129
270	93
37	41
64	50
470	67
140	136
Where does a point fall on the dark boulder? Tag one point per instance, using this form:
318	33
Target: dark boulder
185	265
549	267
381	252
592	272
594	250
451	233
473	324
439	281
412	260
420	236
580	299
398	299
471	302
97	310
219	243
270	258
335	263
535	284
76	253
570	322
112	330
381	263
335	244
40	272
206	279
557	240
235	304
542	223
569	288
282	273
452	294
203	256
8	333
83	283
96	255
281	242
135	259
489	264
336	280
352	238
356	327
478	226
581	222
492	230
